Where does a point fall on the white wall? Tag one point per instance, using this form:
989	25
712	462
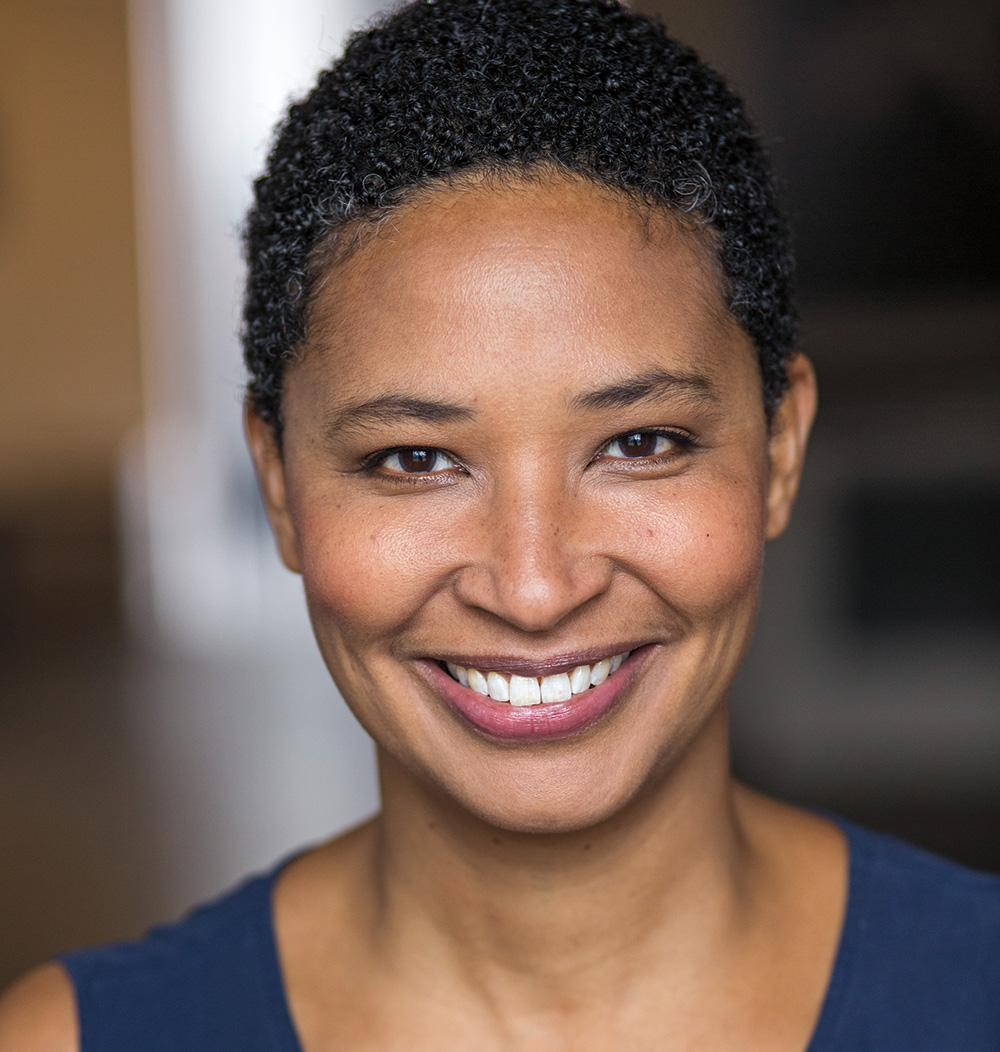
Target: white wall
250	748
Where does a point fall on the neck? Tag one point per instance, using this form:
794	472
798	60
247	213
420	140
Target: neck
554	917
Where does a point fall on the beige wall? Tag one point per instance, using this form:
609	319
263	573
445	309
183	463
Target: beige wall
69	358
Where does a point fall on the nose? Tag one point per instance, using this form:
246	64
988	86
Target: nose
536	558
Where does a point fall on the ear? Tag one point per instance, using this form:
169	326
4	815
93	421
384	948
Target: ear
787	447
271	479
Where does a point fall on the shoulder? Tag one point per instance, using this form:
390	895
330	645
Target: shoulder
209	977
38	1014
904	886
919	963
193	954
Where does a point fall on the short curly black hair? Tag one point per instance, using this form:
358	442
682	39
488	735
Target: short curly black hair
444	88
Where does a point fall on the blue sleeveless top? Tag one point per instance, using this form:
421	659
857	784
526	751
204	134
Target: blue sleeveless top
917	969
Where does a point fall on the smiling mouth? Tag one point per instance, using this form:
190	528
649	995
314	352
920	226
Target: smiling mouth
536	690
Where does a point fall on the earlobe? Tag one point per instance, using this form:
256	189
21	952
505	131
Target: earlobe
790	433
270	470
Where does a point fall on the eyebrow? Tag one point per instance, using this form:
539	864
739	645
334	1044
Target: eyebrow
391	408
653	384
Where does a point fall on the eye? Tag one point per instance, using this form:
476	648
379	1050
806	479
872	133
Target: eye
414	461
641	445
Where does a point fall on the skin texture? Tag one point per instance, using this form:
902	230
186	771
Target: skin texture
613	885
38	1014
612	888
533	548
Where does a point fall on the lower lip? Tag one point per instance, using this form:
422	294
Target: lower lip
542	722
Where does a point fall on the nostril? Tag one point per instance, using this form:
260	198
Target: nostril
532	595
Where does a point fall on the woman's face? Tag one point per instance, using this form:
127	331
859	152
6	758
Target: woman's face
527	439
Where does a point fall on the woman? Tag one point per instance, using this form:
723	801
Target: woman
524	410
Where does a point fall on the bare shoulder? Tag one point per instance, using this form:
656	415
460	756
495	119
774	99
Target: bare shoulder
38	1013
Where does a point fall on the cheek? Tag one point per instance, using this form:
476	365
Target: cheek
362	572
704	548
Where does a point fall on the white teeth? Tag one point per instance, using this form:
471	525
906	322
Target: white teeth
524	691
556	688
529	690
600	672
579	679
477	681
499	687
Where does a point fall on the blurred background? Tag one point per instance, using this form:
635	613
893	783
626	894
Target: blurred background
165	725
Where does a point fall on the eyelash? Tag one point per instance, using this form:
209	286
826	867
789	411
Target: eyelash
682	442
375	463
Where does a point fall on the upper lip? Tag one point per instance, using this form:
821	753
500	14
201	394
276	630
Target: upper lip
536	666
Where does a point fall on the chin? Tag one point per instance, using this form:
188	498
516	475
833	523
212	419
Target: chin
547	822
572	793
548	809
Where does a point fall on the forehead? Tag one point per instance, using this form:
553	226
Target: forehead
479	276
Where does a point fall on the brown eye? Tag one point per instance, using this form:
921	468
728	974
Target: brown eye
417	461
640	444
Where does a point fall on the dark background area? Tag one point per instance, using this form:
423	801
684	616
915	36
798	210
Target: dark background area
873	684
